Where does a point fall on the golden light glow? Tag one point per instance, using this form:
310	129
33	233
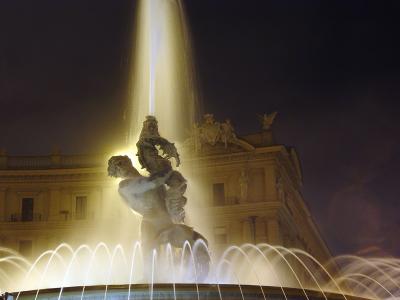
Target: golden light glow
162	82
131	153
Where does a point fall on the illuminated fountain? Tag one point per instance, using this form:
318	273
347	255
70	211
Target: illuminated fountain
246	272
163	87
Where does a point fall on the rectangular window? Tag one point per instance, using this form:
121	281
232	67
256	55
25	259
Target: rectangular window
218	194
27	210
80	207
25	248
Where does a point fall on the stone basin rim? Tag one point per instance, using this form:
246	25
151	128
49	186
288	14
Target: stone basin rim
191	287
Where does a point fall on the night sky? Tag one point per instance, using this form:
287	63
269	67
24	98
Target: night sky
330	68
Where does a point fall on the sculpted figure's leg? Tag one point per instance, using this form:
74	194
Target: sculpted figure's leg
174	199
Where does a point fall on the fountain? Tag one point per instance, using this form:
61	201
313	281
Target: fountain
246	272
173	261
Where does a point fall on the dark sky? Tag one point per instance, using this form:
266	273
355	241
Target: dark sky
330	68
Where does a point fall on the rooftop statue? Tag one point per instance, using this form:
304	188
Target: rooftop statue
158	197
212	132
267	120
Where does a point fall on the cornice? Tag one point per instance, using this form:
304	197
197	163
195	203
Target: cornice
54	176
46	225
53	171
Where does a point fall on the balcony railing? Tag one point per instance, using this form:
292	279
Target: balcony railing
26	218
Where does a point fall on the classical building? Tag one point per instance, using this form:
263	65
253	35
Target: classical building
251	187
245	189
47	200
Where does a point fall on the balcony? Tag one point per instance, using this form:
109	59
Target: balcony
27	218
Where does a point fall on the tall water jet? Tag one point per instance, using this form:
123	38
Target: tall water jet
162	79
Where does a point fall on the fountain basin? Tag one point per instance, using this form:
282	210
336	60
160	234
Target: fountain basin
179	292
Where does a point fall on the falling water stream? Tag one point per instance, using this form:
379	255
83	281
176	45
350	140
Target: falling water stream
260	265
162	70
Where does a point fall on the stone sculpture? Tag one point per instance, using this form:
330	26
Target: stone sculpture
211	132
228	133
158	197
267	120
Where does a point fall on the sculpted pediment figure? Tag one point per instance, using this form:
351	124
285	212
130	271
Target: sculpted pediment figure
211	133
228	133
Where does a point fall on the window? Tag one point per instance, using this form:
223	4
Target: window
80	207
219	194
27	210
25	248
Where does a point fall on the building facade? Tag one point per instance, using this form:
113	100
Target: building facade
251	187
241	190
48	200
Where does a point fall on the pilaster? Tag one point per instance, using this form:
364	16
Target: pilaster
270	183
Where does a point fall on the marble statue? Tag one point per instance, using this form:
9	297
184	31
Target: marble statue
228	133
211	132
158	165
159	197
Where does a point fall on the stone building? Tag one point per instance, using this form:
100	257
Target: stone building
245	189
47	200
252	188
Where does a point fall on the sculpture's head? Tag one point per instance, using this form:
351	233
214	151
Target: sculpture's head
120	166
150	127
